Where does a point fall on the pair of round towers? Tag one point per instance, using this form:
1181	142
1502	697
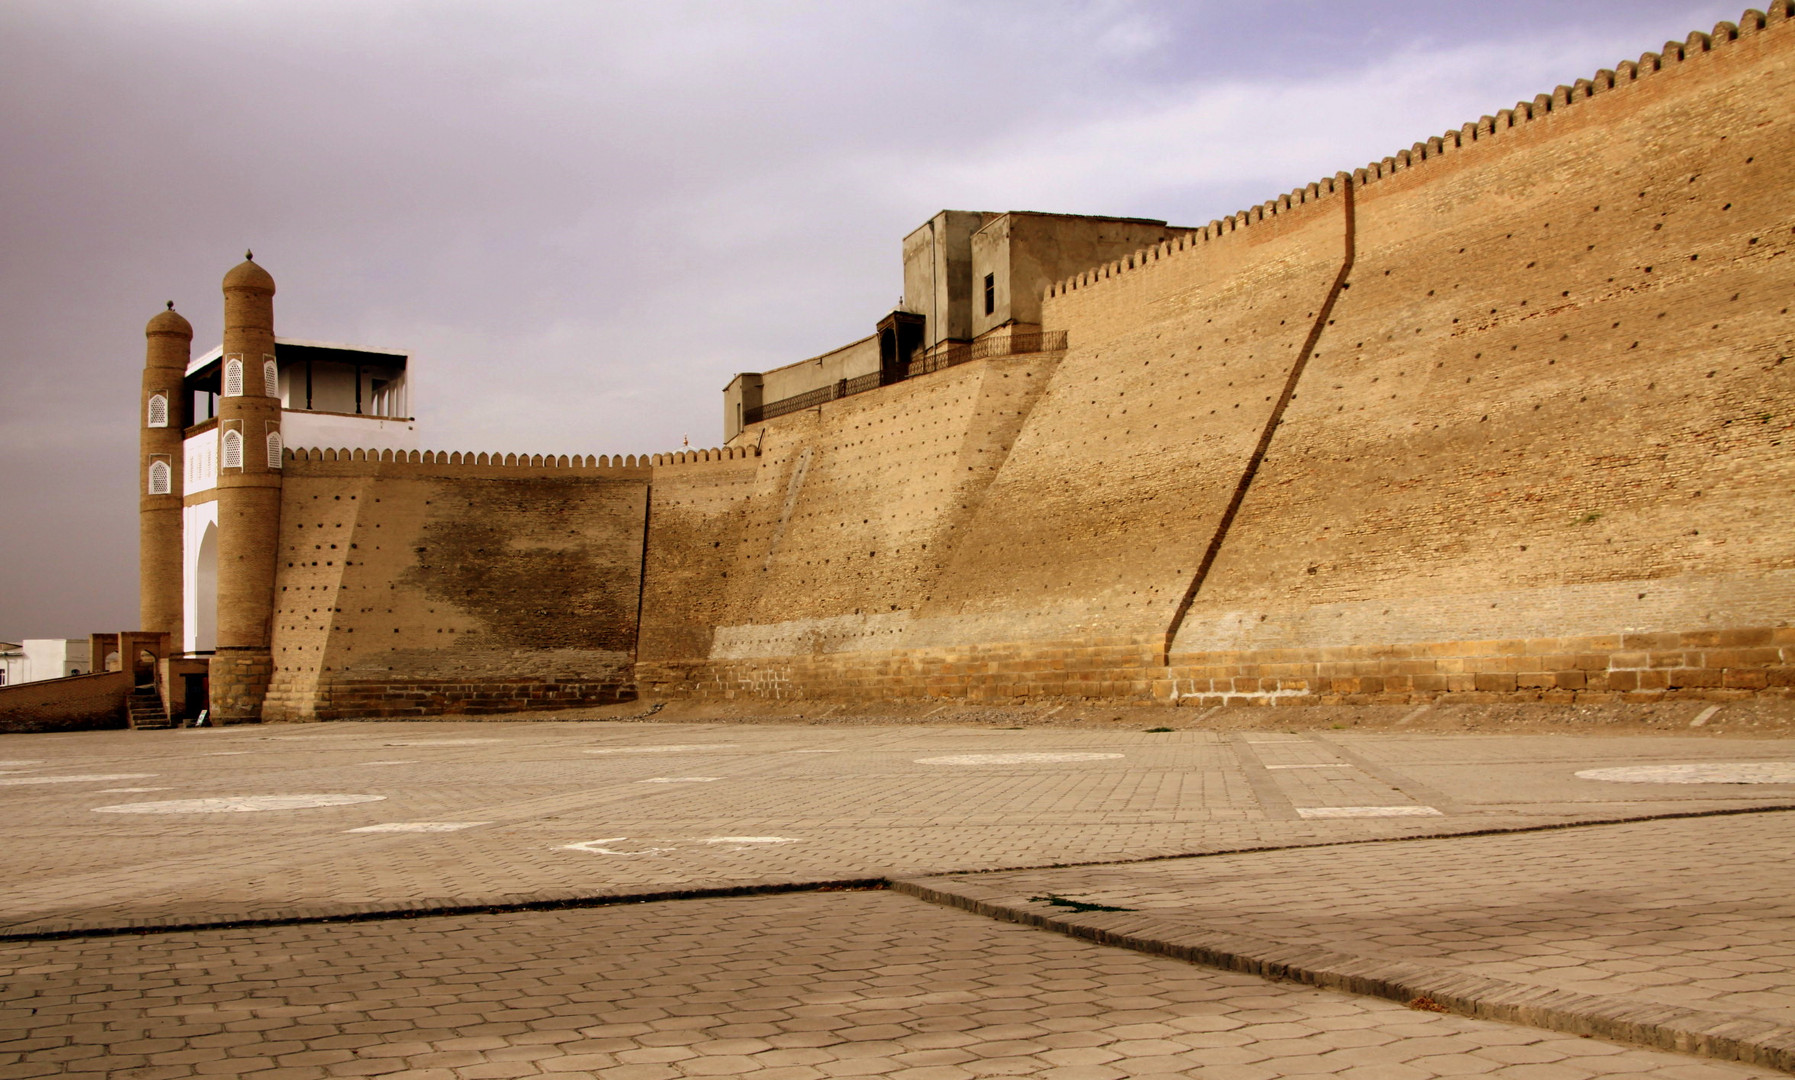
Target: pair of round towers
248	451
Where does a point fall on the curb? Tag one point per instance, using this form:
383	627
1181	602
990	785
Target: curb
427	909
1689	1031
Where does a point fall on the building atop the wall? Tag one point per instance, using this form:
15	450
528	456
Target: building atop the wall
330	395
973	282
1505	416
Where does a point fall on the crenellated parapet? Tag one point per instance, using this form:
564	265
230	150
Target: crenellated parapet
1440	147
445	462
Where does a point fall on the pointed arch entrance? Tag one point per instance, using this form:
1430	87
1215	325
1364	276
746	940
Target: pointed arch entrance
205	577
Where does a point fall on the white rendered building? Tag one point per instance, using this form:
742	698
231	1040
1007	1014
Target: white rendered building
332	396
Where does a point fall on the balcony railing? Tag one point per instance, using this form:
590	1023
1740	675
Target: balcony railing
1011	345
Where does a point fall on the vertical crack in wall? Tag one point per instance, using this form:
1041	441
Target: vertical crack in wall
642	571
1271	425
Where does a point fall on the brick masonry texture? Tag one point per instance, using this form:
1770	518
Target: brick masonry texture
1539	449
405	589
71	704
1503	417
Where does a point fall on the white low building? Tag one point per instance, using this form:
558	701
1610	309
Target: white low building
36	659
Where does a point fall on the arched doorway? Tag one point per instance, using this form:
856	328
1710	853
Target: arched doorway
205	636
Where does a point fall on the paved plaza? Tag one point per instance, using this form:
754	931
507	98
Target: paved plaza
1643	902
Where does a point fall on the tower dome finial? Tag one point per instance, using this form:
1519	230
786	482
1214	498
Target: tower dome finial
171	305
248	275
247	254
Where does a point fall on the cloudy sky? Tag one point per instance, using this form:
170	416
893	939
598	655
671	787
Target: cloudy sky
584	217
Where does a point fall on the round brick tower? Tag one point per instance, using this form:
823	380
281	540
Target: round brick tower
162	417
249	491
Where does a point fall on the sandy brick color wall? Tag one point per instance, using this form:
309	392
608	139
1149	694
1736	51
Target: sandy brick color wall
1505	416
1535	443
451	583
77	703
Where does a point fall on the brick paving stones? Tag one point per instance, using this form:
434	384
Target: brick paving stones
858	983
795	987
1689	921
855	802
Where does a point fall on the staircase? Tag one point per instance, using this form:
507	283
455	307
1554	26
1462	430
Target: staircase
144	708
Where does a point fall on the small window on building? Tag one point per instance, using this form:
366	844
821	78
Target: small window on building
161	478
274	450
233	449
233	378
158	410
270	377
990	294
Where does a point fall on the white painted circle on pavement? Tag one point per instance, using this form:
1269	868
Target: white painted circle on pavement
237	804
1706	772
82	779
1012	759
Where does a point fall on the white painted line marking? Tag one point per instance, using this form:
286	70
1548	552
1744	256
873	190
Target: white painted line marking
17	764
680	780
1012	759
127	790
389	762
752	840
1366	811
82	779
1338	765
1704	716
440	742
225	753
419	826
819	751
237	804
595	847
659	749
1735	772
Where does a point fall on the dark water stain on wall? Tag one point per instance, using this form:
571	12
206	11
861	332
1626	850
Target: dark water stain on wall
541	564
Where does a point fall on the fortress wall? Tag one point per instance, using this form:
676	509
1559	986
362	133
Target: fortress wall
845	526
1545	446
1041	572
416	588
695	526
1485	481
1107	502
861	499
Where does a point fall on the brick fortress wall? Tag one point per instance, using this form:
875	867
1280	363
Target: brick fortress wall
438	583
1533	444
